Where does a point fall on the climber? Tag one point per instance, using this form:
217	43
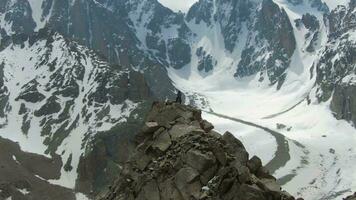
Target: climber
179	97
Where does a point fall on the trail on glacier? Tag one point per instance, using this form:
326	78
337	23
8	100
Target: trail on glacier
281	156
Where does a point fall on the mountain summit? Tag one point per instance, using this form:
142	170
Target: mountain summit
179	156
77	78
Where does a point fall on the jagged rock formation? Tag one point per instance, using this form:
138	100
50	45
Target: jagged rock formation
336	69
59	90
258	39
352	197
179	156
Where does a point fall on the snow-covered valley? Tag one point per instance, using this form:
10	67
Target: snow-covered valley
322	148
78	76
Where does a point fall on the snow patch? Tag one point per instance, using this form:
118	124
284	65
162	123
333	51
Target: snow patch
24	191
36	7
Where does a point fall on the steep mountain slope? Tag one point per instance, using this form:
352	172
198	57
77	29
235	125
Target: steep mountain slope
336	68
57	95
91	24
265	61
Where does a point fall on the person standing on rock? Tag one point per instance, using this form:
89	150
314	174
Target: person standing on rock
179	97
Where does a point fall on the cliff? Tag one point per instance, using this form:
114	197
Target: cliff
179	156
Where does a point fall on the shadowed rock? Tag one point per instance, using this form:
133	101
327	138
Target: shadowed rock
182	158
352	197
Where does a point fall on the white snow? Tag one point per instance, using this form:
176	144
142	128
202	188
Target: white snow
24	191
178	5
36	7
334	3
81	196
40	177
22	64
15	159
349	79
318	172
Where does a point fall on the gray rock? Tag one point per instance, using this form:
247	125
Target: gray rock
220	155
254	164
199	161
180	130
141	160
206	126
250	192
149	192
271	185
169	190
214	134
150	127
243	172
208	174
162	142
194	165
186	175
231	141
352	197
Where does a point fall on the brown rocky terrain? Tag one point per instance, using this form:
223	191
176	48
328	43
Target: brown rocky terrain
179	156
24	175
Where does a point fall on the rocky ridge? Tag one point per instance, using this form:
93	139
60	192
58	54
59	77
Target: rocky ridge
180	156
352	197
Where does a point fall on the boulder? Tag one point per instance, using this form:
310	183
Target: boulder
232	142
206	126
150	127
179	130
254	164
162	142
200	161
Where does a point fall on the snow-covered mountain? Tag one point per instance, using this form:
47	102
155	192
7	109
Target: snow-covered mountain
57	95
76	76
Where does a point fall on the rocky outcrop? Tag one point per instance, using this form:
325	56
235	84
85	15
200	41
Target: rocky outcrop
336	67
179	156
25	175
352	197
274	33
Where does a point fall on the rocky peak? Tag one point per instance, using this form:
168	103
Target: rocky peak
16	16
180	156
271	15
271	31
342	19
201	11
336	67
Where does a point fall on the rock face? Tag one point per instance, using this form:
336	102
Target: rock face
179	156
57	89
252	27
25	175
335	70
353	197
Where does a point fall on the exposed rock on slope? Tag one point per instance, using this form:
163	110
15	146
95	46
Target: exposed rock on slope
353	197
24	175
179	156
336	68
63	99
